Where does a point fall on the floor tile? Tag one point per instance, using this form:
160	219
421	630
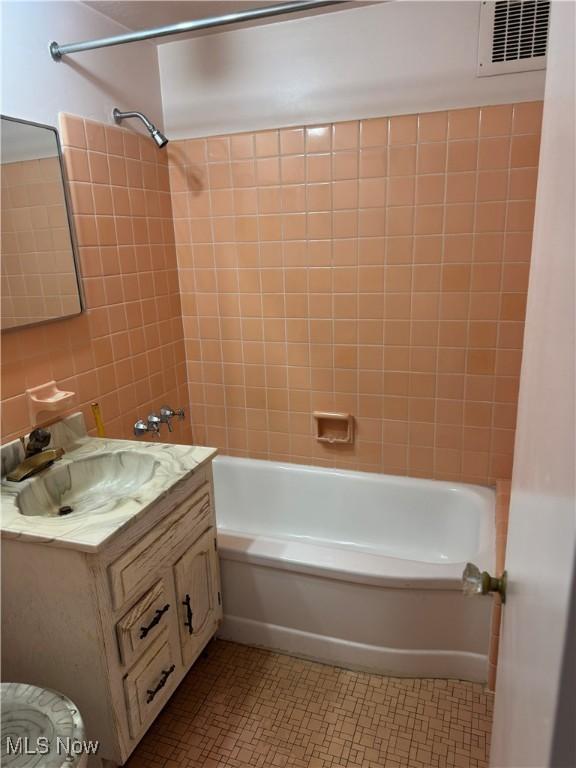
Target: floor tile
242	707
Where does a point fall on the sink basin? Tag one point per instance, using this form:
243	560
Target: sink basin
96	484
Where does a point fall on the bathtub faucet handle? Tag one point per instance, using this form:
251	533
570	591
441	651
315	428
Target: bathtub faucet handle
167	414
476	582
149	427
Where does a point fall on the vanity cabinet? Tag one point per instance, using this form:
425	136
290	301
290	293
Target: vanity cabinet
116	630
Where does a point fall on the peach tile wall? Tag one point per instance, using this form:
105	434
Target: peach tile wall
127	350
38	275
377	267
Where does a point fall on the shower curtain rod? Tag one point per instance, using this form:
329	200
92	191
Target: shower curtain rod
57	50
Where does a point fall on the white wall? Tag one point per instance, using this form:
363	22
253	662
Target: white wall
392	58
540	556
89	84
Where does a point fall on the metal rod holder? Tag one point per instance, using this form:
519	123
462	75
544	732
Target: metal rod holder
57	51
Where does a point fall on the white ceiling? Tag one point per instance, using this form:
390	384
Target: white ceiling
143	14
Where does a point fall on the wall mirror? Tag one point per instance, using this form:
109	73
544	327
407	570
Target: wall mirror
40	279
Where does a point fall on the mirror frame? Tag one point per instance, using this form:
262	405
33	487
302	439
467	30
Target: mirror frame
72	231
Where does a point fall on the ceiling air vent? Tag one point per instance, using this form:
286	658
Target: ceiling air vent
513	36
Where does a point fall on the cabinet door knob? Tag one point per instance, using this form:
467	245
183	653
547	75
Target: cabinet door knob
188	622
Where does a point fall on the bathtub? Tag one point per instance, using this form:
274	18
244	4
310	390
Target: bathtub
355	569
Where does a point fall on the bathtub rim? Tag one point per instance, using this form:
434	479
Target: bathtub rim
358	567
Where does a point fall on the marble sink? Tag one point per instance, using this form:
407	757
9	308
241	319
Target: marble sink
108	484
93	485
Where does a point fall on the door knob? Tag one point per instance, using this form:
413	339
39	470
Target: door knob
477	582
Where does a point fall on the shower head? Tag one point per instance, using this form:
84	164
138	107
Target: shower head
158	137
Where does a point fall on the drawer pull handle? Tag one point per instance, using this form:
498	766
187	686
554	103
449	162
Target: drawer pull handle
188	622
157	616
165	675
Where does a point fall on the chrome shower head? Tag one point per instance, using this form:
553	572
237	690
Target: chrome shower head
158	137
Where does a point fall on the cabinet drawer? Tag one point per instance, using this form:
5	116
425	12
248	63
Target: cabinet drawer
143	623
149	684
141	562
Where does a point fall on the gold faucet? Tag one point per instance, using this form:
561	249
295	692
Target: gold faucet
37	458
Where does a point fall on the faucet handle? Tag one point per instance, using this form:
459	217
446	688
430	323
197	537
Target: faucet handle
150	426
140	428
38	439
154	422
167	414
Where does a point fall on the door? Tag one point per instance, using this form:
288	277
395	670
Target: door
198	595
534	708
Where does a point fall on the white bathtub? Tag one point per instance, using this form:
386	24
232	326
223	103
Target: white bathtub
355	569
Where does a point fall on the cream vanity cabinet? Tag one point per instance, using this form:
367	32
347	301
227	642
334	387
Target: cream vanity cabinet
118	629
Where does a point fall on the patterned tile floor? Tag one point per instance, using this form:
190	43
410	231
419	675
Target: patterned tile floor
242	707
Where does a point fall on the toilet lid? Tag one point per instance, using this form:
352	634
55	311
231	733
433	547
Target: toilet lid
32	721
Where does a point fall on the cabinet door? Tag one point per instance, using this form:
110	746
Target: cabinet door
198	595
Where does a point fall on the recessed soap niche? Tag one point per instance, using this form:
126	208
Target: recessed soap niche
334	428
